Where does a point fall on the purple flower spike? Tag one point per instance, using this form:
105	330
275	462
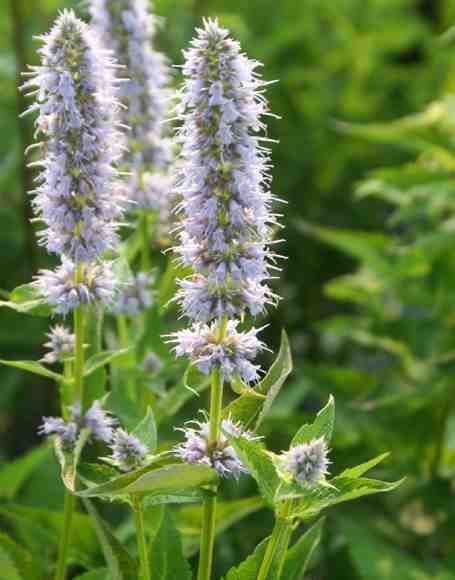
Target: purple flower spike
60	344
307	463
223	179
78	196
223	457
127	451
232	355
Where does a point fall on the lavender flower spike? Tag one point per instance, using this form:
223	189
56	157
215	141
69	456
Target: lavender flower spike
223	179
223	457
127	451
128	28
307	463
136	296
233	355
60	344
64	293
78	196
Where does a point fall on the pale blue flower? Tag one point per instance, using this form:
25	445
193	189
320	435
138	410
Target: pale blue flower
96	285
233	355
127	450
223	457
307	463
60	344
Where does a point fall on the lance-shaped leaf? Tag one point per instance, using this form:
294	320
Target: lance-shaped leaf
309	502
155	481
299	556
14	474
321	427
34	367
254	404
120	563
260	464
27	300
249	568
166	555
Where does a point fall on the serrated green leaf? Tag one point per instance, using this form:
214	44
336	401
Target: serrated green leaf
249	569
119	562
146	431
321	427
250	409
260	465
14	474
41	529
299	555
310	502
359	470
7	566
101	359
166	555
34	367
27	300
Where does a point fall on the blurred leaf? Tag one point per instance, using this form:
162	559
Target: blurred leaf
120	564
28	300
228	513
18	561
101	359
249	569
14	474
376	559
100	574
33	367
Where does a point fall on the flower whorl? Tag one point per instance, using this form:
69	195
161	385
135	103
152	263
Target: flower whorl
223	181
77	197
128	28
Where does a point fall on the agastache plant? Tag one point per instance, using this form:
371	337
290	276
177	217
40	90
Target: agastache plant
128	28
78	199
224	236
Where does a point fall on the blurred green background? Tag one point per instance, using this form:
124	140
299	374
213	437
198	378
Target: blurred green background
367	299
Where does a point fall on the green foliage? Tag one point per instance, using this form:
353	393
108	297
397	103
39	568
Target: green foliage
380	338
166	556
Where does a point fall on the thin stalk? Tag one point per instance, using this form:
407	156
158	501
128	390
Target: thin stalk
70	502
277	546
79	356
141	540
209	510
128	358
145	243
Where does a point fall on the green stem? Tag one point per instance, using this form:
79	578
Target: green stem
79	331
145	245
70	502
277	546
128	359
209	515
141	541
